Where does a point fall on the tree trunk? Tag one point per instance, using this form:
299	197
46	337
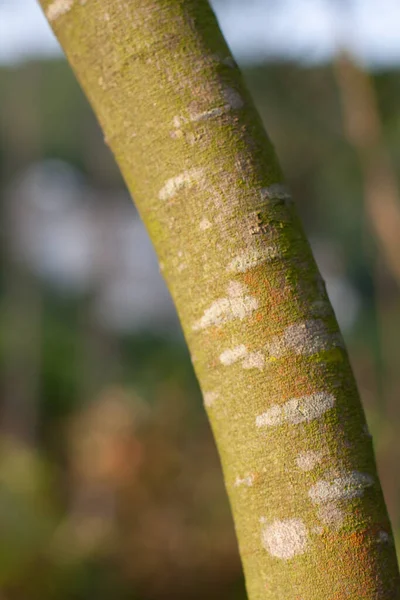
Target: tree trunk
278	388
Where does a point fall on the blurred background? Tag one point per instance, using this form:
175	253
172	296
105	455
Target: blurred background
110	485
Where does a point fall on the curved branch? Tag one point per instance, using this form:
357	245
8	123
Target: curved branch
298	463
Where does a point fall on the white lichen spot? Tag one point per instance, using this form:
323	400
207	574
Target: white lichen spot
205	224
331	515
297	410
285	539
276	191
235	288
306	338
306	461
254	360
176	134
249	259
272	417
233	101
246	481
233	98
106	16
229	357
58	8
184	180
238	305
208	114
347	486
384	537
210	398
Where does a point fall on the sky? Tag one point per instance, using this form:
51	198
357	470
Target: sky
305	30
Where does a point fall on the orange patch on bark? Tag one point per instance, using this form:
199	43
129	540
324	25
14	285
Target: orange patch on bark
357	551
250	279
216	332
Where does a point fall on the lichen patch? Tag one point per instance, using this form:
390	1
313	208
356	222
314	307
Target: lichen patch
250	360
254	360
306	338
232	98
331	514
276	191
297	410
306	461
206	115
247	481
232	355
184	180
249	259
237	305
58	8
285	539
205	224
346	487
210	398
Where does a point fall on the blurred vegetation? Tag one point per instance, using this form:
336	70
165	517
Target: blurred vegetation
110	486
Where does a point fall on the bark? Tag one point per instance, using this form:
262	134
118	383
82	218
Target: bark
278	388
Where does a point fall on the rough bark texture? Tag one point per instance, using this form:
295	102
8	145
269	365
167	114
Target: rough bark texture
286	415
